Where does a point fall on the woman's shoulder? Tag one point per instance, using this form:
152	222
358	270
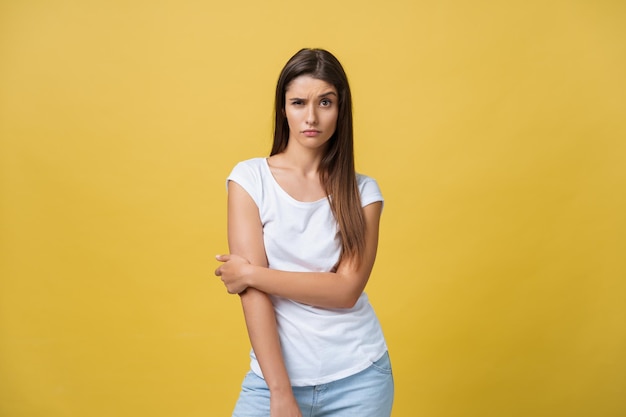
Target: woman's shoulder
252	162
363	180
250	167
369	189
251	174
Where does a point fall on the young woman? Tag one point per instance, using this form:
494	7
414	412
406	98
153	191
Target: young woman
303	233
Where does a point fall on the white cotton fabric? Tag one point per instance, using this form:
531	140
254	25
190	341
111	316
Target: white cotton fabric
319	345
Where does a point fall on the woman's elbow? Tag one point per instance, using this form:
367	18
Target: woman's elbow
350	292
349	299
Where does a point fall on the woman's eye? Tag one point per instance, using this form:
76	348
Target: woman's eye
326	103
297	102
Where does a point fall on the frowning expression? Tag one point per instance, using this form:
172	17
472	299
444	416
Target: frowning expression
311	108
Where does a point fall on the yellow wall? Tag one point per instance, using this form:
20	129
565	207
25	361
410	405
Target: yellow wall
495	130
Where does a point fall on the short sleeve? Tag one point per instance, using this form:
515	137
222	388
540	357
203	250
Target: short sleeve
369	189
247	176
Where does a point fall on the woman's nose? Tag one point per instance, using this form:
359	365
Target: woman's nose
311	115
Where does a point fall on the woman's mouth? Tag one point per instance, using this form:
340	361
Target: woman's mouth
311	132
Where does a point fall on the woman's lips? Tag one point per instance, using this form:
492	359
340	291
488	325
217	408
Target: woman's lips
311	133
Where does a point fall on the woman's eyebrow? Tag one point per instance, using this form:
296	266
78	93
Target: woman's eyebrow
329	93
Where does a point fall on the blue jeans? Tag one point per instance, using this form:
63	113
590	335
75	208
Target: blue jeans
368	393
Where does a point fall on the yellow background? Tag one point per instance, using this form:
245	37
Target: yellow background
495	129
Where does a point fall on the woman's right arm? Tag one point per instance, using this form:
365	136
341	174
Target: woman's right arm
245	238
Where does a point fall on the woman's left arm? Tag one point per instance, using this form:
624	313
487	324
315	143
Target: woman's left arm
339	289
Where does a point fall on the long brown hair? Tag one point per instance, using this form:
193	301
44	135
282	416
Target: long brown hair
337	171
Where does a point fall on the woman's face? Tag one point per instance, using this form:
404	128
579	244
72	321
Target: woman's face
311	108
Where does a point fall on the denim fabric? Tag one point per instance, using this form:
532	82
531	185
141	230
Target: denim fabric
368	393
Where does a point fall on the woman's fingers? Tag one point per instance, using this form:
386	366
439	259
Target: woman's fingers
229	272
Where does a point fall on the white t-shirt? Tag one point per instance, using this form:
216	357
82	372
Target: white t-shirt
319	345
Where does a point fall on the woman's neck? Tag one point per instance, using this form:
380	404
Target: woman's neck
304	161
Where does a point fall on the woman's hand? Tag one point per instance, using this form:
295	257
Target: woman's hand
284	405
233	271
